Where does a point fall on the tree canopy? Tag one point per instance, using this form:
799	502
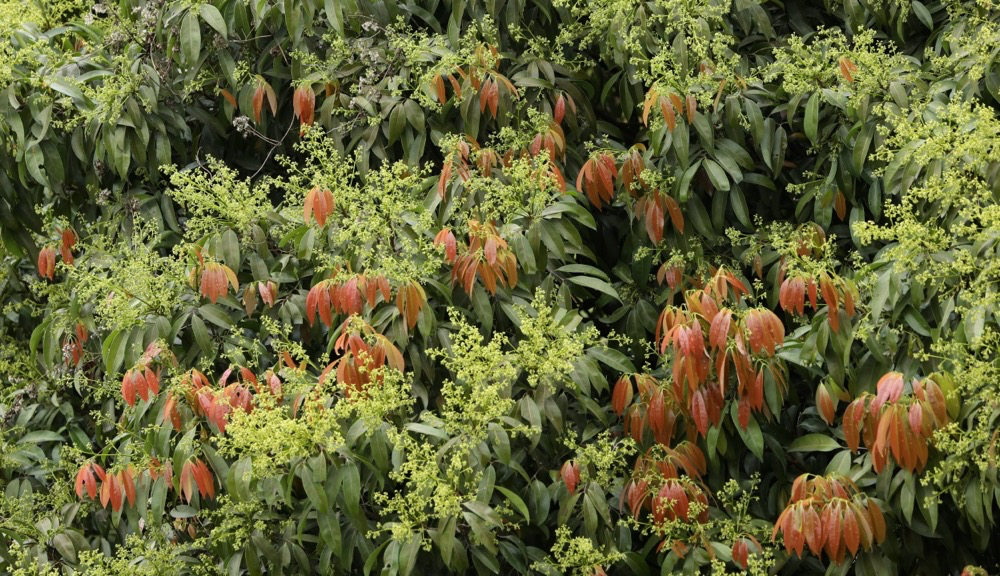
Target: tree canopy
549	287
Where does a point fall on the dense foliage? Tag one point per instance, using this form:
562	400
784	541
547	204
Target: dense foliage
499	287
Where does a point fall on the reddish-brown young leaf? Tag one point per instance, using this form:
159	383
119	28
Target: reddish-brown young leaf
668	114
85	481
832	302
203	478
678	104
813	529
152	383
832	531
699	412
847	69
318	300
792	295
852	536
560	109
447	239
676	216
877	520
129	387
67	238
47	262
304	104
258	102
740	553
916	418
718	334
187	487
853	420
570	473
229	97
656	414
319	204
825	404
889	389
651	97
654	221
437	85
622	394
840	205
127	482
171	413
409	301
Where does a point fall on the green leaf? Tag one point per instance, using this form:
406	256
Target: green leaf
426	430
67	87
584	269
39	436
201	336
612	358
190	37
516	501
812	117
595	284
923	14
751	435
739	203
34	161
814	443
397	122
716	175
213	17
214	314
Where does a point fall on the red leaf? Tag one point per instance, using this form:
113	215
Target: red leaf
560	110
